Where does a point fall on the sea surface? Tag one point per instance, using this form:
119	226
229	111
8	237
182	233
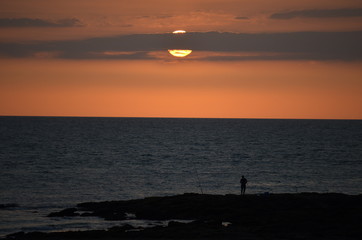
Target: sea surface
51	163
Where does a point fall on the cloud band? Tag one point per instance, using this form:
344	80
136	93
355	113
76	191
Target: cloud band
296	45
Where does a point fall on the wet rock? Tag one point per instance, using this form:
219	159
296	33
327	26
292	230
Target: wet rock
27	236
69	212
175	224
275	216
123	228
115	216
16	235
88	214
8	205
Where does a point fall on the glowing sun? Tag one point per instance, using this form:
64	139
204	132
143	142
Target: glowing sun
179	32
179	52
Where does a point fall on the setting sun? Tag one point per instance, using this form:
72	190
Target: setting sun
179	32
179	52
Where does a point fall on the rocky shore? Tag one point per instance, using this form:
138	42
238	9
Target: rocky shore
266	216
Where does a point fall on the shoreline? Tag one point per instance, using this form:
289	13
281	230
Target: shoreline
266	216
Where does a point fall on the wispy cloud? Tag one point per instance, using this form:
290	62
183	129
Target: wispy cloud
319	13
36	22
271	46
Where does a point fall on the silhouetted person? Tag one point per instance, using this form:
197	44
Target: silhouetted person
243	183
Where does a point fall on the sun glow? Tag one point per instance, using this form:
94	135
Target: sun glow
179	52
179	32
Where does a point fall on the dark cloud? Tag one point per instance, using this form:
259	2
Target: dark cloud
36	22
242	18
276	46
261	57
319	13
139	55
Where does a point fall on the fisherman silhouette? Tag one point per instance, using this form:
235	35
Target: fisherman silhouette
243	182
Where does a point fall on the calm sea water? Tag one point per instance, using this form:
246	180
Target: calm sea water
51	163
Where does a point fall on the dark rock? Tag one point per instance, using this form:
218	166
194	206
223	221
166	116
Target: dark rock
123	228
27	236
69	212
8	205
175	224
275	216
16	235
88	214
115	216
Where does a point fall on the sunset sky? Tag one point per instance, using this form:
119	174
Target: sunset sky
250	58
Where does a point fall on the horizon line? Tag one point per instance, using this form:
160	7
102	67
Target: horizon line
236	118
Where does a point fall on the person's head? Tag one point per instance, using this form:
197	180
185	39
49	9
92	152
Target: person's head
242	176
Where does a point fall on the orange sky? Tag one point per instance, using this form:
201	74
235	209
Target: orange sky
188	89
45	84
113	17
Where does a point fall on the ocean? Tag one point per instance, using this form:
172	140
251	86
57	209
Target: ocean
51	163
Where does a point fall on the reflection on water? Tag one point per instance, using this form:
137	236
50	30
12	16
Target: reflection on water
58	162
